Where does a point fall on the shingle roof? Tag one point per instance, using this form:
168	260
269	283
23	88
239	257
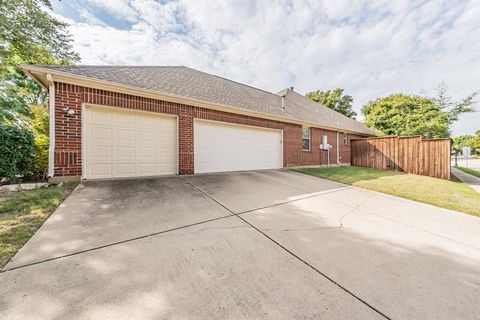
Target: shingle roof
191	83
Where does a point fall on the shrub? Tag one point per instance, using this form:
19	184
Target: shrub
17	151
38	121
40	163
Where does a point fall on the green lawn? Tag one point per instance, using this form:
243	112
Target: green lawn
22	213
452	194
473	172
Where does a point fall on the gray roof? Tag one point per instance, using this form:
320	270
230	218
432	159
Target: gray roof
190	83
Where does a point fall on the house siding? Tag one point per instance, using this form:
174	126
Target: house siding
68	129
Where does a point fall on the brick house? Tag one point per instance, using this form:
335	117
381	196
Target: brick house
115	122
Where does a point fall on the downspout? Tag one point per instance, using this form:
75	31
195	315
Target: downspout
51	125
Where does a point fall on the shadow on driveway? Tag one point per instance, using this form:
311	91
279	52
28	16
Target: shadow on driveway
337	252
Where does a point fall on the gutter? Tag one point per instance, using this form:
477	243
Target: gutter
51	125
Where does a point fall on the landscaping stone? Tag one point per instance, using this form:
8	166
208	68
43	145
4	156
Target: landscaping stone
23	186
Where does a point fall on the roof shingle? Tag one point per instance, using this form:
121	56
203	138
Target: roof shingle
191	83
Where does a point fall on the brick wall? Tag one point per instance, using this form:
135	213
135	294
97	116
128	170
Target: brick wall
345	154
68	148
68	131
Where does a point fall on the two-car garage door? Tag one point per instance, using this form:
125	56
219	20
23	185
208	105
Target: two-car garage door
221	146
124	143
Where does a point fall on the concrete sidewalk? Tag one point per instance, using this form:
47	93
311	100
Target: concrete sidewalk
472	181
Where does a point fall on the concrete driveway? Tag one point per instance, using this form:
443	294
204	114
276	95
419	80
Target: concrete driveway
255	245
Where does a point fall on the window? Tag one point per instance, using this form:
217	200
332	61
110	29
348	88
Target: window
306	139
345	138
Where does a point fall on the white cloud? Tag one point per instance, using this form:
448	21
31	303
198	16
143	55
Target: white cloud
370	48
118	8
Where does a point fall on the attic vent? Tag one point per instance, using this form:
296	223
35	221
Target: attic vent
291	88
283	102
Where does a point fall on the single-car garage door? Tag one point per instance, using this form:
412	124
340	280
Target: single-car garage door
124	143
220	146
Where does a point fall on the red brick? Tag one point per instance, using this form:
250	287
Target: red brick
68	148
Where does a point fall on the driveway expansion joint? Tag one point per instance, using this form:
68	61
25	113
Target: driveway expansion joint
114	243
207	196
291	253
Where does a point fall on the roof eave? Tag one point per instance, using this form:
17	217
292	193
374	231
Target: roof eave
39	74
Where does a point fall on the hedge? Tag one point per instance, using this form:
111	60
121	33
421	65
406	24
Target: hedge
17	151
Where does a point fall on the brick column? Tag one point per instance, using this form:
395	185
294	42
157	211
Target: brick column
68	130
185	140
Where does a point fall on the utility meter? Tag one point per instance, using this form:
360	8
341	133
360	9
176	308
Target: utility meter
324	145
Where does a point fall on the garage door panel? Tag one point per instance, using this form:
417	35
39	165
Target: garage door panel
163	167
148	152
146	136
148	168
123	119
225	147
166	136
102	117
126	151
102	170
100	133
125	168
122	143
100	151
125	134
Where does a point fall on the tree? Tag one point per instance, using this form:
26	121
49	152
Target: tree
454	109
38	123
474	142
463	140
401	114
335	100
28	34
16	151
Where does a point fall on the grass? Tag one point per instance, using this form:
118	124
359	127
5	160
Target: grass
453	194
22	213
473	172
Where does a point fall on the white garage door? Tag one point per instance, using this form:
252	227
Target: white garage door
123	143
224	147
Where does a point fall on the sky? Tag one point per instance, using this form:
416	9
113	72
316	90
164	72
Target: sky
369	48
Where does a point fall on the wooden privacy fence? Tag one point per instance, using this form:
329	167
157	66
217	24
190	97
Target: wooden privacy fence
428	157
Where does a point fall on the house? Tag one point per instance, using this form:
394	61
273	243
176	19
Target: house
131	121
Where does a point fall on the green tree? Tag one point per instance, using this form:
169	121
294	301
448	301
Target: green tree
453	108
30	35
334	99
474	142
38	123
463	140
401	114
17	94
16	151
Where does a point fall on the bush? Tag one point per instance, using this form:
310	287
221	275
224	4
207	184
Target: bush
17	151
40	163
38	121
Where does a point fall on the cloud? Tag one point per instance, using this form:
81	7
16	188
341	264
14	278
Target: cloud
370	48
